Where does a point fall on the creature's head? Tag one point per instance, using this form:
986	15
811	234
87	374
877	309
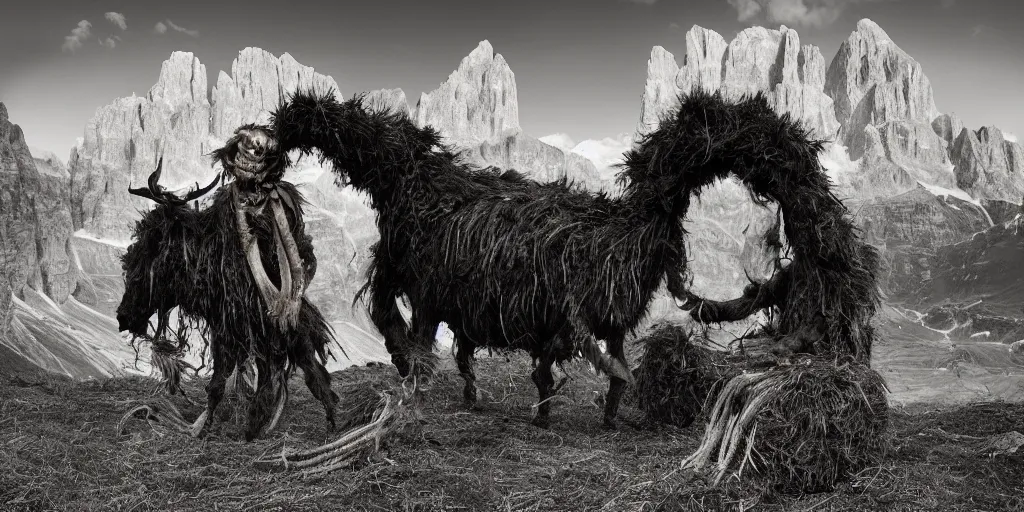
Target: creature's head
153	261
252	156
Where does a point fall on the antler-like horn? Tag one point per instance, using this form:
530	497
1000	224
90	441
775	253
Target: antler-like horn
155	193
200	192
154	179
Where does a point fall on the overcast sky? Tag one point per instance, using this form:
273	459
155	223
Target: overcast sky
580	65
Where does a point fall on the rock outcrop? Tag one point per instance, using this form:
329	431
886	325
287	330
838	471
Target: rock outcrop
124	141
947	127
757	60
884	102
36	223
477	103
537	159
477	109
42	325
258	83
987	165
392	99
660	91
873	81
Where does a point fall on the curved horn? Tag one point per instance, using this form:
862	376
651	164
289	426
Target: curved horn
154	179
152	191
143	192
155	193
199	192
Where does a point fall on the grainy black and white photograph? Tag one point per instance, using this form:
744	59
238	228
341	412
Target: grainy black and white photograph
559	255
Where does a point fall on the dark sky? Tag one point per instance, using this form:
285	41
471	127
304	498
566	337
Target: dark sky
580	65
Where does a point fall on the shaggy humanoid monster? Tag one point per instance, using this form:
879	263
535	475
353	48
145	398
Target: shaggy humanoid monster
241	265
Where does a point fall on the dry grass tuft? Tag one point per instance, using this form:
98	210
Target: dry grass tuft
60	450
676	377
800	428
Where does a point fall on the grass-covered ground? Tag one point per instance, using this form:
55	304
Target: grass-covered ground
59	450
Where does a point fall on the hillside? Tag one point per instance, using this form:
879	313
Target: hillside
491	459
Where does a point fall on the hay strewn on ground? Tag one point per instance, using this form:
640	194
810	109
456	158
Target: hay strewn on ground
676	377
799	428
59	451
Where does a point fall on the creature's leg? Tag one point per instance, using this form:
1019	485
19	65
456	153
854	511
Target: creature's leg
262	404
281	383
617	384
464	358
545	381
613	363
422	361
388	319
318	381
224	360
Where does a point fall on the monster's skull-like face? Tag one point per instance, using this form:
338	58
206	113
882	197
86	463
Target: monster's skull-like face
252	155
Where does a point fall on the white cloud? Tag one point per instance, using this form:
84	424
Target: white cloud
110	42
605	153
1010	137
78	35
193	33
559	140
808	13
160	28
117	19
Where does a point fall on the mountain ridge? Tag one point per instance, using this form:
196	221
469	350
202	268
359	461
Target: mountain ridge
893	155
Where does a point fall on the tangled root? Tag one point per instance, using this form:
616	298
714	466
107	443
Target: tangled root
385	415
161	415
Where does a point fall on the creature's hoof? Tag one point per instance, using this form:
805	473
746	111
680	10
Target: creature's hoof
199	427
402	366
541	422
469	397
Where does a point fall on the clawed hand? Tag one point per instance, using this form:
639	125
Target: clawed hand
688	302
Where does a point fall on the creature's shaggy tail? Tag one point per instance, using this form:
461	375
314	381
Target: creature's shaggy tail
708	137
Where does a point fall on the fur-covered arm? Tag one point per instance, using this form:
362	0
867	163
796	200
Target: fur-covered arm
756	296
298	226
308	256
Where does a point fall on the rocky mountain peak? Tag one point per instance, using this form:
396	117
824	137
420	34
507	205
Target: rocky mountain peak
35	224
49	163
182	81
477	103
758	59
868	27
987	165
391	99
873	81
259	81
660	90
